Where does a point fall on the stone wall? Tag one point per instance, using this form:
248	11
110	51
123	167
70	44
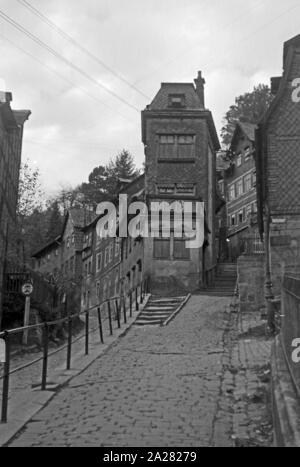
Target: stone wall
251	279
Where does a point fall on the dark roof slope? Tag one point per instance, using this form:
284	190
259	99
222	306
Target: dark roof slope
161	100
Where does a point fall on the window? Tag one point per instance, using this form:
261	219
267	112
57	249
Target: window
254	208
239	160
176	100
90	267
99	262
176	146
68	242
248	183
117	247
254	179
248	211
180	249
239	188
106	259
110	249
241	217
232	192
232	221
247	153
98	289
73	239
162	248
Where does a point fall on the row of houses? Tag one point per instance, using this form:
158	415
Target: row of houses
260	182
181	143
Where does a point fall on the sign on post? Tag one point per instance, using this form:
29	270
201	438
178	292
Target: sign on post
27	290
2	351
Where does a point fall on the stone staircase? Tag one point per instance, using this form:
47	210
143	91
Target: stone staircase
225	281
159	310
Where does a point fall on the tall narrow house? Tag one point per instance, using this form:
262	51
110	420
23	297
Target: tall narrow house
180	142
11	136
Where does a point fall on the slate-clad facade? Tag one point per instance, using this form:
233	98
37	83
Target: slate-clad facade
180	142
11	137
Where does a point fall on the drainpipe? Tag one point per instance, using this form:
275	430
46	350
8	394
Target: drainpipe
269	296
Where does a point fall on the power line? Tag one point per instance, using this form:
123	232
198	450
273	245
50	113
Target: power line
83	49
42	44
33	57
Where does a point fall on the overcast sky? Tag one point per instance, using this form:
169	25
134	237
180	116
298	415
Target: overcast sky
77	124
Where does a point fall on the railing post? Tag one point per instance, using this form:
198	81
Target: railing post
6	378
109	318
45	356
141	297
100	325
136	300
87	323
69	350
124	309
130	303
118	313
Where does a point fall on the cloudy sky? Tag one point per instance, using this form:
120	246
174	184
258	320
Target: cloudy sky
86	105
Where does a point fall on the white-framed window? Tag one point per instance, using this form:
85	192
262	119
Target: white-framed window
232	192
248	183
232	220
247	153
239	160
240	187
99	262
241	217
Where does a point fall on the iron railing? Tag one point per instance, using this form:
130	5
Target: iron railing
135	297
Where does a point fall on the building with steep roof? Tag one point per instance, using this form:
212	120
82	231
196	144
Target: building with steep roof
241	197
278	170
180	142
11	138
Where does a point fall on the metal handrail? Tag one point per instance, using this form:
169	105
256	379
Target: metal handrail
6	335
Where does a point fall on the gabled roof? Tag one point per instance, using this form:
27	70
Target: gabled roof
161	100
244	129
47	247
81	217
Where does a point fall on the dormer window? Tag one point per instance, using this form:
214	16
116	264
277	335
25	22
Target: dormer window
176	100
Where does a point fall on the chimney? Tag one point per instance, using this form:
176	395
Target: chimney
275	84
200	82
5	96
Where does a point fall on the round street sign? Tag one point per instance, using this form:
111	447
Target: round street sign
27	289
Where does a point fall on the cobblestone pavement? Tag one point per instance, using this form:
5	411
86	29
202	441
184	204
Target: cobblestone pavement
193	383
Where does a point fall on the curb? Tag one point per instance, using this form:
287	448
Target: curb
165	323
33	401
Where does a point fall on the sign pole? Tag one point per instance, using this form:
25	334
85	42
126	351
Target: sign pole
26	320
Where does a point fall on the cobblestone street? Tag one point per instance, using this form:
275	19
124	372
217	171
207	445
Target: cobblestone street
192	383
